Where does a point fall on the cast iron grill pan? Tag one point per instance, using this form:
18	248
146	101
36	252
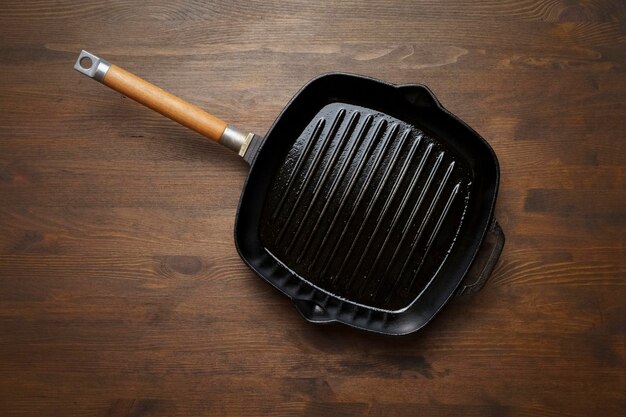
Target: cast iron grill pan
366	203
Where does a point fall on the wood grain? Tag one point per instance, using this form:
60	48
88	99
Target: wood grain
121	292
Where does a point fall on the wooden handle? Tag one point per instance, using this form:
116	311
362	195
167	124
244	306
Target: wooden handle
165	103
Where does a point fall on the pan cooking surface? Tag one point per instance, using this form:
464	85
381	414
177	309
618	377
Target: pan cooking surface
365	207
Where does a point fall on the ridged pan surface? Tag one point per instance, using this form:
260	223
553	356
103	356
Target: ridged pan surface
365	207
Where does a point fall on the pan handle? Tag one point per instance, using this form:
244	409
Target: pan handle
485	261
161	101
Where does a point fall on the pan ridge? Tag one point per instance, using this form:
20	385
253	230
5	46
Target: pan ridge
365	206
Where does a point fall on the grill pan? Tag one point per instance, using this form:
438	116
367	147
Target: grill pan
366	203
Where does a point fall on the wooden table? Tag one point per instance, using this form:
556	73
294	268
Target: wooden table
122	294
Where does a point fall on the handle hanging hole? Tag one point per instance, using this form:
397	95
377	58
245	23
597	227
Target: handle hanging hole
86	62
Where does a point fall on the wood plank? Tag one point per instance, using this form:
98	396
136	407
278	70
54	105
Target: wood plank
121	291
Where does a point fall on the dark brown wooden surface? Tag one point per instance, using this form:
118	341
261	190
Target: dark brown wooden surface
121	292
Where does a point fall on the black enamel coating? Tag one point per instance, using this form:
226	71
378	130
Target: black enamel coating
367	203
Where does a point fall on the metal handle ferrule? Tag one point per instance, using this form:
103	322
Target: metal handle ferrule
91	66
